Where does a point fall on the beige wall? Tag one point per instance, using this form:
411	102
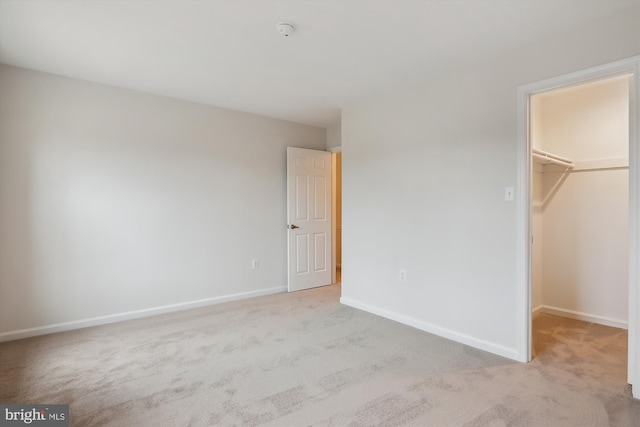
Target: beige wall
115	201
338	202
538	238
584	216
585	122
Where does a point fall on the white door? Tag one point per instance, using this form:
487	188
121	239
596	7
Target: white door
309	218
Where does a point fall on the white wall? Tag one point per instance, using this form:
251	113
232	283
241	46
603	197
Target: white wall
334	135
424	176
115	201
584	260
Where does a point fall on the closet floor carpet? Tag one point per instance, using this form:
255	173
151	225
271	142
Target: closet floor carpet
303	359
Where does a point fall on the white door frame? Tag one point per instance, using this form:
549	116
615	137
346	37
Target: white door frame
523	190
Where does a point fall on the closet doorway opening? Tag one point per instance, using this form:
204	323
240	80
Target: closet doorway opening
524	292
579	140
336	164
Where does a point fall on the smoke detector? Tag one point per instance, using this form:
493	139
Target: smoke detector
285	28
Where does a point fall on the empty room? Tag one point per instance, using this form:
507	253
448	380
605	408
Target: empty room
327	213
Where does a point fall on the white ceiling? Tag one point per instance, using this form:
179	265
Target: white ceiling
229	54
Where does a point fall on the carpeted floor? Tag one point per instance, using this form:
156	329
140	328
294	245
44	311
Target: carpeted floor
303	359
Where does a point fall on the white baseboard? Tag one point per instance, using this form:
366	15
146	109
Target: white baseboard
537	311
510	353
119	317
593	318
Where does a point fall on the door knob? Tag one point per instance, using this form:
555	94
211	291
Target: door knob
293	227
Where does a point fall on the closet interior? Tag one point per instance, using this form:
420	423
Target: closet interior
580	201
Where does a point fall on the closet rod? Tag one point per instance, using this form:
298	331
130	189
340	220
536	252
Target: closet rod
548	159
550	155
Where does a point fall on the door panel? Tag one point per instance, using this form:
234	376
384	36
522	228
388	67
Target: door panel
309	219
320	245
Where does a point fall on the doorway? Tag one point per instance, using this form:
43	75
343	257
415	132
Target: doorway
579	139
336	161
630	66
580	143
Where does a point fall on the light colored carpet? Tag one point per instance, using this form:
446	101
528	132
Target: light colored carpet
303	359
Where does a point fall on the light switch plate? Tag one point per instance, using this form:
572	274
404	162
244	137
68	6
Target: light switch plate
508	194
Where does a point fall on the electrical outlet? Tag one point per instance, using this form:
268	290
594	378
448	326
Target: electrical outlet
402	275
255	264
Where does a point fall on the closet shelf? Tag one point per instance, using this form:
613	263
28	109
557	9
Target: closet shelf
545	158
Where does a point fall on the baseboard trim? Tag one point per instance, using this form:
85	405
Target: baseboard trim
490	347
593	318
129	315
536	312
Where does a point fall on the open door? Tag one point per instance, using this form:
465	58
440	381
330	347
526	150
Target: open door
309	218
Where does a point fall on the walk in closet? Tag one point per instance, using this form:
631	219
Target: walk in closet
580	179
